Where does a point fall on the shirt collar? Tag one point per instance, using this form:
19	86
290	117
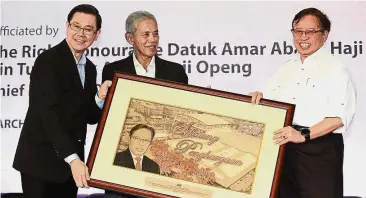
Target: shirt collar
137	64
134	157
82	60
315	56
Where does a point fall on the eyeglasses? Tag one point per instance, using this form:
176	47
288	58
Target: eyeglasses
87	30
144	141
299	33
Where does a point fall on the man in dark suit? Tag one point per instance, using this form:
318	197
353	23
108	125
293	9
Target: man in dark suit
62	101
134	157
143	34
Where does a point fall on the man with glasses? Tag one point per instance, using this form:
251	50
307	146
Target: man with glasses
63	99
141	137
325	97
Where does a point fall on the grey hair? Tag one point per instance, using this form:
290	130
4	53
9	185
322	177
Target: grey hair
134	18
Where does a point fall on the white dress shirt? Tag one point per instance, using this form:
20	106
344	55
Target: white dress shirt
320	87
140	70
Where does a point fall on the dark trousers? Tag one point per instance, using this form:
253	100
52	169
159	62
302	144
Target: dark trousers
313	169
38	188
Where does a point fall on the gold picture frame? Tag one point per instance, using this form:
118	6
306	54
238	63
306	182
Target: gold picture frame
206	142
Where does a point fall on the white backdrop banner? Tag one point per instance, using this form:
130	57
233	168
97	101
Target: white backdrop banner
232	46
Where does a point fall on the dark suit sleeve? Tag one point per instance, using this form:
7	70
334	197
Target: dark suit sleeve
156	168
182	76
108	72
150	165
118	159
94	112
45	86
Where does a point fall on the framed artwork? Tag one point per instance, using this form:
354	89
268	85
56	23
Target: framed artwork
164	139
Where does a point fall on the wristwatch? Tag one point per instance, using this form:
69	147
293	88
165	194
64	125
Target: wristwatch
306	133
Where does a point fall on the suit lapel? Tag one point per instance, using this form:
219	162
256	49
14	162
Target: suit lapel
70	64
145	164
130	67
88	74
129	160
160	71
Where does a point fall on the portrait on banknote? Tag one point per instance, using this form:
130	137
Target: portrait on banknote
161	139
